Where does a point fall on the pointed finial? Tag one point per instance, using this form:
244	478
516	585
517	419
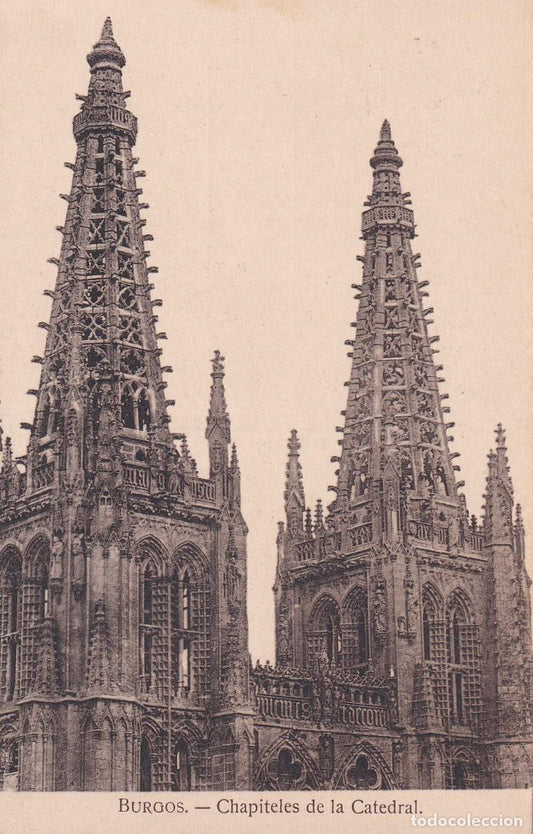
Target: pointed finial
7	459
385	154
308	522
293	444
218	415
385	132
218	366
499	431
319	515
184	447
107	30
234	462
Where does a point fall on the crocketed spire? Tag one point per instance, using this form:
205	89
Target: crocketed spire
394	412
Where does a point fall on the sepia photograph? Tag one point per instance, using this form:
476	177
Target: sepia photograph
265	397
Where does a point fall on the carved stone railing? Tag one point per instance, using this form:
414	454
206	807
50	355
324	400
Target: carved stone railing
43	475
421	530
439	534
137	476
141	478
387	215
329	697
96	116
318	547
360	535
202	490
476	540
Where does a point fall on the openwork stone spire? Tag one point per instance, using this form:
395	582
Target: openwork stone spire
102	345
394	415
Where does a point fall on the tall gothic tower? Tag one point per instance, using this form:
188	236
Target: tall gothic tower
123	625
397	581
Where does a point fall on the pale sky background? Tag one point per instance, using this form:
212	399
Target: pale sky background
257	120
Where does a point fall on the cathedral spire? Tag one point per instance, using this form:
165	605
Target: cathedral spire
102	344
394	415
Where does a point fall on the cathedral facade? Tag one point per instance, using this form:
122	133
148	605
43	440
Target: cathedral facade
403	638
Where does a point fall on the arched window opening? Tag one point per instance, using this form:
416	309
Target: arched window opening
13	759
117	146
455	621
459	777
186	597
330	639
135	407
433	628
182	767
146	765
362	637
128	409
324	638
143	407
10	611
45	597
182	637
406	472
456	695
455	640
427	635
100	144
45	417
146	642
355	639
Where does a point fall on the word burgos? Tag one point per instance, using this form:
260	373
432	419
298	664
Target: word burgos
133	806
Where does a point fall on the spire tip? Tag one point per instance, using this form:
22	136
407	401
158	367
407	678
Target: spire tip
385	132
218	363
107	29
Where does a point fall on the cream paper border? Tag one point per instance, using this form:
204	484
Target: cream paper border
257	118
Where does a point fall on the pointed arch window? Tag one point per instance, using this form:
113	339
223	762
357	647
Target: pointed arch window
190	599
14	758
182	767
462	639
146	636
355	638
324	636
426	625
135	407
50	414
146	765
433	628
183	635
143	411
10	616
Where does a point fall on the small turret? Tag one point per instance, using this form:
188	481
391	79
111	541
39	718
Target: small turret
218	431
498	519
294	490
